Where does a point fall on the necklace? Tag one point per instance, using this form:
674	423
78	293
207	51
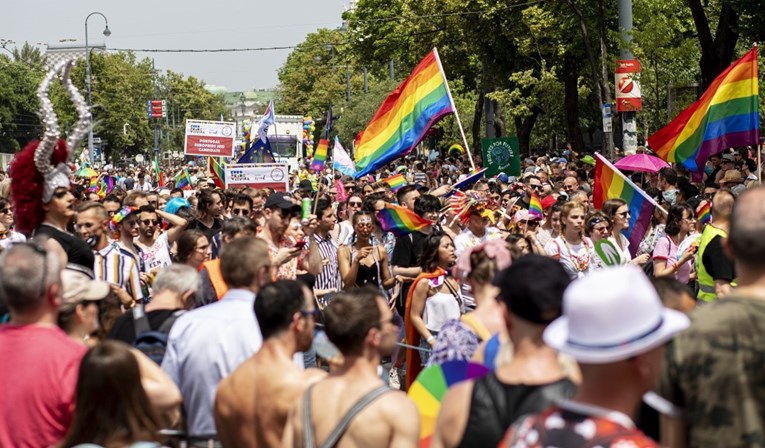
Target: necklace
580	262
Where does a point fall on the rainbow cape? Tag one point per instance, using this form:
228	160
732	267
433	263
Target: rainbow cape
535	207
610	183
395	182
405	116
182	179
400	220
704	213
725	116
320	155
217	171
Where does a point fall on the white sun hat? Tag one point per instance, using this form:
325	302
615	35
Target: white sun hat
612	315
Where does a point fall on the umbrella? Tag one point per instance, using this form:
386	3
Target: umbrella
642	163
431	385
86	171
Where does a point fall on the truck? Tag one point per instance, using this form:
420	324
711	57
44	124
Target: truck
286	137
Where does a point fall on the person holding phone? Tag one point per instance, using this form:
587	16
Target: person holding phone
364	260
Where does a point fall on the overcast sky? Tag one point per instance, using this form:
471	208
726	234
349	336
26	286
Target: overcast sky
188	24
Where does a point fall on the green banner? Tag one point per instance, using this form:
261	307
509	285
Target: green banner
500	155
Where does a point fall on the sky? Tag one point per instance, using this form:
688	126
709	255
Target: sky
173	24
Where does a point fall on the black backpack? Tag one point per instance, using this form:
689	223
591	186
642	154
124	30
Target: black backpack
152	343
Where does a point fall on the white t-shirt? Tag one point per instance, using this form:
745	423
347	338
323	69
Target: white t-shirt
158	255
578	260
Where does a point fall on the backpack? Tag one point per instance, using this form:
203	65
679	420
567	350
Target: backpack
152	343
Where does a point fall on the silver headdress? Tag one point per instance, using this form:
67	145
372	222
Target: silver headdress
58	176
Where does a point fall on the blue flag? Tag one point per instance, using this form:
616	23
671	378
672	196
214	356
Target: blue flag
258	152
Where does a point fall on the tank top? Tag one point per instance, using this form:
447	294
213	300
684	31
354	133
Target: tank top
440	308
494	406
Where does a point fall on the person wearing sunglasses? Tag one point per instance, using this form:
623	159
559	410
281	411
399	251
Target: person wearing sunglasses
618	212
252	404
353	204
6	219
154	243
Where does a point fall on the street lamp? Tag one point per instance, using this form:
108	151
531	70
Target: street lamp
107	33
241	100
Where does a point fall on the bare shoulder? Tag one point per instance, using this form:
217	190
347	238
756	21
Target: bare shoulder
397	405
313	375
457	399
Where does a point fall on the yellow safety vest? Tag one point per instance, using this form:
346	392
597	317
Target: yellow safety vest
706	282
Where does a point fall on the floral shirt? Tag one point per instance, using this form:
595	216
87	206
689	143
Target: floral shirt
455	342
576	425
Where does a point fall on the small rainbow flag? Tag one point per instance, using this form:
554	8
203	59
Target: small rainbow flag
182	179
397	181
400	220
704	213
726	115
610	183
405	117
320	155
535	206
218	173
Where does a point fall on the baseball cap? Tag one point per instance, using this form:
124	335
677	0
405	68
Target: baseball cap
78	287
728	158
305	185
532	288
175	204
548	201
282	200
612	315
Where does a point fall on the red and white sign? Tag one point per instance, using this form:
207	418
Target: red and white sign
258	175
628	86
209	138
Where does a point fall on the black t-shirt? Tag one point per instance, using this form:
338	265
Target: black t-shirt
406	252
124	328
717	264
77	251
208	231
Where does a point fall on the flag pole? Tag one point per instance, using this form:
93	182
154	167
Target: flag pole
626	179
456	114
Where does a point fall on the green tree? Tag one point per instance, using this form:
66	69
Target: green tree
30	56
19	120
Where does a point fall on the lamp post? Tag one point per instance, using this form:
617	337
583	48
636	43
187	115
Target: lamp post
107	33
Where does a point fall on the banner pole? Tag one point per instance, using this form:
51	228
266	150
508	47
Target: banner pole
456	113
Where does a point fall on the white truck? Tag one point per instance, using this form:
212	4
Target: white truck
286	137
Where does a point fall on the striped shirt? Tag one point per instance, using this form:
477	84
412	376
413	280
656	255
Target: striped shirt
329	277
112	266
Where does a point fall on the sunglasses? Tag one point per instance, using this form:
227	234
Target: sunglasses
149	222
5	210
4	235
536	187
240	211
531	223
354	204
623	214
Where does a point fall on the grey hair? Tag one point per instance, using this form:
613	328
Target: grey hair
21	274
178	278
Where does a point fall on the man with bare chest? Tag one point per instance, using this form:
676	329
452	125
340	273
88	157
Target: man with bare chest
252	404
364	329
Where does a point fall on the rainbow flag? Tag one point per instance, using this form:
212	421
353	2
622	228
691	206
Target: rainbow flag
725	116
182	179
400	220
535	206
395	182
704	213
405	116
218	173
610	183
320	155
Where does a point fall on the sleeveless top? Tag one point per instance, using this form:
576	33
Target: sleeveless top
494	406
77	251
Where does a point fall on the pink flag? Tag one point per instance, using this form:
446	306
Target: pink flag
342	195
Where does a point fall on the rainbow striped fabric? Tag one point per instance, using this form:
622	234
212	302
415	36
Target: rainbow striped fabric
405	116
610	183
400	220
704	213
182	179
395	182
217	171
320	155
535	207
725	116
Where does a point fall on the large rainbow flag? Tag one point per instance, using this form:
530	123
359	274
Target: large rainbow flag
610	183
405	116
725	116
400	220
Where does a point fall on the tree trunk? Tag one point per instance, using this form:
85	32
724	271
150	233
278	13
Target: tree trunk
499	119
523	129
716	52
477	116
605	84
597	83
571	102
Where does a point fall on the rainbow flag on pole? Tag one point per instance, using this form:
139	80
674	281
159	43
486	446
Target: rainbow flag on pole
704	213
217	171
401	220
725	116
395	182
535	207
182	179
610	183
405	116
320	156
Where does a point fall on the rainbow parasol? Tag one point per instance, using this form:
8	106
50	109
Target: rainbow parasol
431	385
86	171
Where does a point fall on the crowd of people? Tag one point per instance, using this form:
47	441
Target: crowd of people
251	317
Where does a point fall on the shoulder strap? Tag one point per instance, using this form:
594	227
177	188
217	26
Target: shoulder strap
309	440
477	326
363	402
453	291
168	323
140	321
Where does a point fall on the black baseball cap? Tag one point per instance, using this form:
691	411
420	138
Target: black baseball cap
282	200
532	288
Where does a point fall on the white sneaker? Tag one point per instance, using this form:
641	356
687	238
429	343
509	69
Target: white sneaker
393	381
